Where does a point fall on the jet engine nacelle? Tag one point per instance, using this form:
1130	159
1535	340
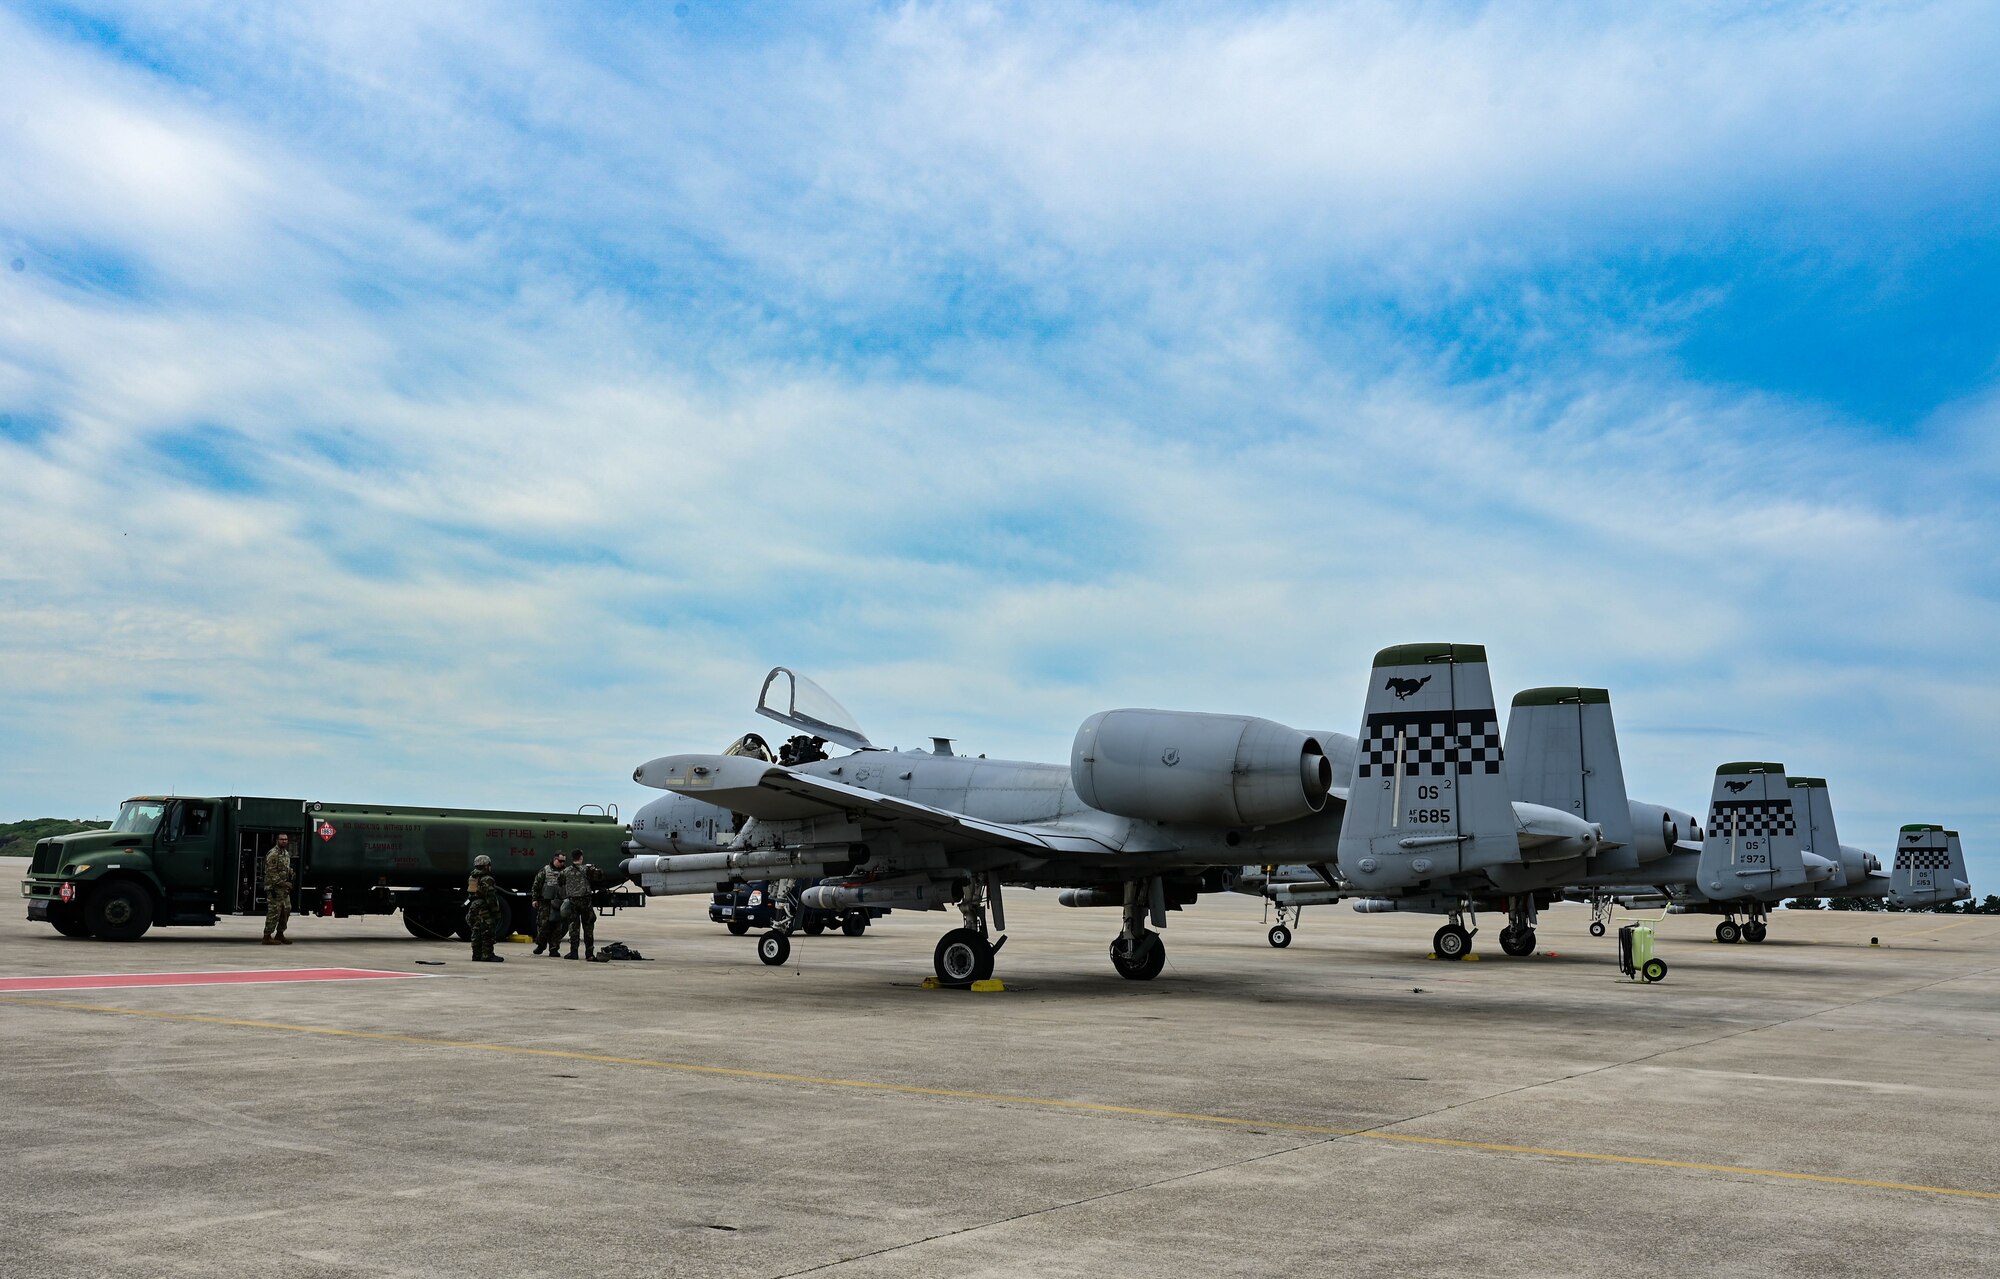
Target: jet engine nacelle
1187	766
1658	831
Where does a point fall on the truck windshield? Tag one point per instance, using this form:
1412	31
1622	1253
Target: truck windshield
139	816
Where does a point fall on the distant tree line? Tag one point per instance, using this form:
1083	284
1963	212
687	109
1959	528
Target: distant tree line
1989	906
18	839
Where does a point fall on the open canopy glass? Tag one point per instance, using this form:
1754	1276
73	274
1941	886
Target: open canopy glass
794	700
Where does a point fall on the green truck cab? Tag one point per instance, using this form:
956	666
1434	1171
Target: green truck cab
180	860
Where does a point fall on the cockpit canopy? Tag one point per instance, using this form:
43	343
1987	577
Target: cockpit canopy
794	700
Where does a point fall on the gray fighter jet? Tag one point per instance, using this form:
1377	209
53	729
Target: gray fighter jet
1151	804
1442	819
1929	869
1560	753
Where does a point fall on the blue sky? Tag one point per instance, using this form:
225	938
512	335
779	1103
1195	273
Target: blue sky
463	405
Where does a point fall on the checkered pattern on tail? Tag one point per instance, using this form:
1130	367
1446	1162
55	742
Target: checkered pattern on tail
1435	743
1743	818
1923	859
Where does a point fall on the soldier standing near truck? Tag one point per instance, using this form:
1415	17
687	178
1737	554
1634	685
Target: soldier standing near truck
577	908
278	885
546	892
483	909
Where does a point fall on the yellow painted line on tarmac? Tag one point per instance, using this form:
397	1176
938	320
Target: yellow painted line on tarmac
1043	1103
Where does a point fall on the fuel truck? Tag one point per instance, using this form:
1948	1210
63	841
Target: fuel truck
185	861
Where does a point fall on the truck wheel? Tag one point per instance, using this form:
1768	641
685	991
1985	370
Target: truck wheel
68	920
426	924
855	924
814	926
738	927
119	912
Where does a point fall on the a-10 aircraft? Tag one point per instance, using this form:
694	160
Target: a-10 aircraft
1153	808
1442	818
1151	804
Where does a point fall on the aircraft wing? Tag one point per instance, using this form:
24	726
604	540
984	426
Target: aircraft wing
772	792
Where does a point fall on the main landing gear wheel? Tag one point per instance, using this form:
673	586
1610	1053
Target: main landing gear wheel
1151	957
1727	931
1596	929
1517	941
1451	942
855	924
1280	936
962	957
1654	970
1755	931
774	948
738	927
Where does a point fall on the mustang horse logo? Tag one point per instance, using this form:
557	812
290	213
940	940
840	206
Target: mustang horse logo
1736	788
1402	688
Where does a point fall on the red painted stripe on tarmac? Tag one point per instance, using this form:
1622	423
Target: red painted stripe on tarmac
245	977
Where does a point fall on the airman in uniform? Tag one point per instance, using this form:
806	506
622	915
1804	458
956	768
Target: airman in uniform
546	893
579	880
483	909
278	886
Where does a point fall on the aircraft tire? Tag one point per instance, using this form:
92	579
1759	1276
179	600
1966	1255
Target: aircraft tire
1596	929
1451	942
855	924
962	957
738	927
1654	970
774	948
1151	961
119	911
1727	931
1755	931
1518	942
1279	936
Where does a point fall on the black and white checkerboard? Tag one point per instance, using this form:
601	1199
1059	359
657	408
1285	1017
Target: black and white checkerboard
1435	743
1745	818
1923	859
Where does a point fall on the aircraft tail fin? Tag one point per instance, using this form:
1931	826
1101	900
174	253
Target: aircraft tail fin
1752	844
1815	809
1562	753
1929	867
1429	797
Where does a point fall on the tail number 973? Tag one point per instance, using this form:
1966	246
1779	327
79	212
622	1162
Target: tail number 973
1430	816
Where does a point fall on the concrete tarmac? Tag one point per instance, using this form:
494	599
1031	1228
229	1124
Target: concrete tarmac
1809	1106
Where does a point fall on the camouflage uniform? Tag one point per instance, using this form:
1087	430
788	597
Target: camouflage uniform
482	910
577	882
546	893
278	886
